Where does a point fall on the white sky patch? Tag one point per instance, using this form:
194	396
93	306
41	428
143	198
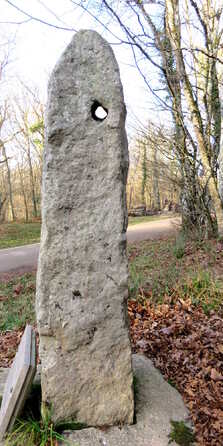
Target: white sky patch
101	113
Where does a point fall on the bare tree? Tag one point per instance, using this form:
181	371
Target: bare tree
28	121
154	176
3	118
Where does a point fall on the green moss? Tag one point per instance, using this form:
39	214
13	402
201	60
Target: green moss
181	434
171	383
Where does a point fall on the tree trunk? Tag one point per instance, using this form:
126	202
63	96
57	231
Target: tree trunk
130	195
156	194
174	33
23	194
2	208
32	184
144	176
9	182
220	171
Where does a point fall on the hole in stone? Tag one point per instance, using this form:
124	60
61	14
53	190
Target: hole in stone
76	293
98	112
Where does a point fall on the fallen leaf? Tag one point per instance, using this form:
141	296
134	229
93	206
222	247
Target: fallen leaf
215	375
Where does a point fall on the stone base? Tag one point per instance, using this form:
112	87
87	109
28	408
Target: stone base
156	404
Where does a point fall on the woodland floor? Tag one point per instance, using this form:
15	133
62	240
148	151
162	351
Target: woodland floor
176	318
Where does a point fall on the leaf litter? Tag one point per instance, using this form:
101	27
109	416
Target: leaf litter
187	346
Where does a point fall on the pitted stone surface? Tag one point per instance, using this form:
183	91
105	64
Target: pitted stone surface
82	272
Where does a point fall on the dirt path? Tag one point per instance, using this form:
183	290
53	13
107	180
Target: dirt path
24	258
153	229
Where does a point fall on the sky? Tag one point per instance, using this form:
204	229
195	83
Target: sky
37	47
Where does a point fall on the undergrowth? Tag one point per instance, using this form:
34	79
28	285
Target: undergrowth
203	291
177	269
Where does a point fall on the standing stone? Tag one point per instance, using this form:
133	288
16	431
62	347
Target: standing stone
82	273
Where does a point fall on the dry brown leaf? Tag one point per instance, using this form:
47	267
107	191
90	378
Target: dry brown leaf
215	375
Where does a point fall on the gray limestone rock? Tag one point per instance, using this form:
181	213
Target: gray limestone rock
157	403
82	271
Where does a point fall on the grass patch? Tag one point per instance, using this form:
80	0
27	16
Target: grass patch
177	269
17	298
147	218
36	428
151	272
19	234
203	291
35	432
